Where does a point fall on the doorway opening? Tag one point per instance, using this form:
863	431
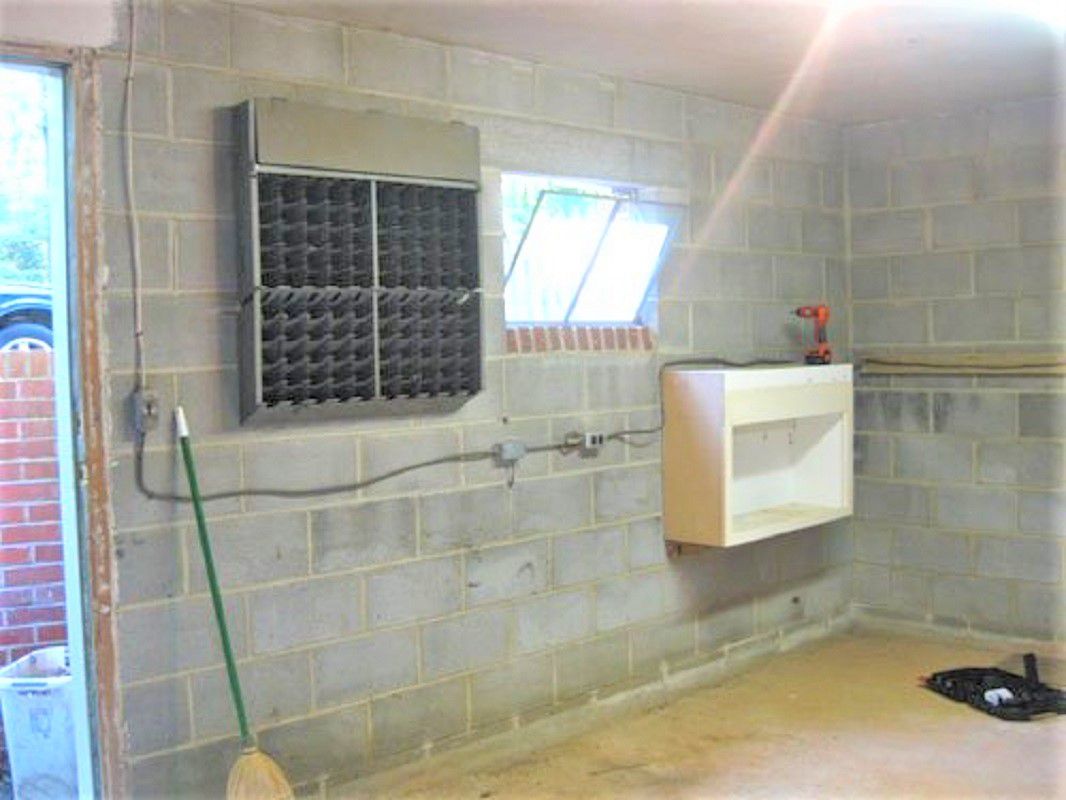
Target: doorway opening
44	683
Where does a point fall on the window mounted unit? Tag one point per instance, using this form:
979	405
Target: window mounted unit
360	289
580	254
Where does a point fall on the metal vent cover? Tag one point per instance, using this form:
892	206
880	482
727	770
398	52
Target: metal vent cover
359	291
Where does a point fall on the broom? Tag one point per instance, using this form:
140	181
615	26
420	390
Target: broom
255	776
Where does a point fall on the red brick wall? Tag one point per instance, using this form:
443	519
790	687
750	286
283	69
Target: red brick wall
31	568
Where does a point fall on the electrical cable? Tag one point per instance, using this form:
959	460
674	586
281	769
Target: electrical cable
889	362
136	274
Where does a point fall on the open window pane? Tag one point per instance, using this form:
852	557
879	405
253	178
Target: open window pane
625	266
559	244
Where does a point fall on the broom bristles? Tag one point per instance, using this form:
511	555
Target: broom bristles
256	776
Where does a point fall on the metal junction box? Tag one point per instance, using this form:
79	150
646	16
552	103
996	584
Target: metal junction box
359	287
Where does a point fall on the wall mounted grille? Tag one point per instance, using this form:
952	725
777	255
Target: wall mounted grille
360	290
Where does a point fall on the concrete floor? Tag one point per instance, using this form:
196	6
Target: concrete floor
843	717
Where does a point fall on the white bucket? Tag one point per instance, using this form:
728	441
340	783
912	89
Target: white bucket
36	696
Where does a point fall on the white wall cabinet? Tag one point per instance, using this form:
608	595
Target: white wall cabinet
753	453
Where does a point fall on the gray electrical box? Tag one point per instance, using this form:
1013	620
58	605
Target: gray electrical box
360	291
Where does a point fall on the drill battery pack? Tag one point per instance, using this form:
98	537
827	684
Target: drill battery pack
1000	693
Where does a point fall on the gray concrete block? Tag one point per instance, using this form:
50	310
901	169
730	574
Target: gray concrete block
628	599
832	187
347	537
592	666
176	178
503	692
659	163
1029	270
980	602
873	543
147	36
797	184
774	228
581	98
868	185
800	139
798	277
348	671
975	508
149	97
1022	558
483	436
936	458
620	382
203	102
384	453
742	275
1026	123
839	543
188	773
1041	221
1042	513
390	63
688	273
1040	611
871	585
151	565
176	636
721	124
780	610
1024	463
476	639
649	109
217	467
974	413
418	590
776	326
936	551
931	275
982	319
717	223
209	340
210	399
662	644
1019	173
627	492
725	626
299	464
464	519
507	572
906	412
874	141
945	135
332	744
646	544
823	232
197	32
543	386
588	555
408	720
274	689
156	715
890	323
974	224
553	619
929	182
313	50
742	177
910	593
869	278
899	502
282	617
551	504
1041	318
721	327
674	326
251	550
482	79
156	252
798	554
873	456
207	255
887	232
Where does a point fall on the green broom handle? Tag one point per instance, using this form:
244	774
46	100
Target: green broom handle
212	578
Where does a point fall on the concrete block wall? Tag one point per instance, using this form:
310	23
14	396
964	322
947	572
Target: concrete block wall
375	627
957	245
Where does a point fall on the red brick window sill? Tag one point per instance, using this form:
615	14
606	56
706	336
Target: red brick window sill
578	338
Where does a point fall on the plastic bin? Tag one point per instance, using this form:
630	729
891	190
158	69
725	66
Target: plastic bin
36	695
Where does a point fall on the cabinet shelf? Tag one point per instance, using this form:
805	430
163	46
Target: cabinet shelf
753	453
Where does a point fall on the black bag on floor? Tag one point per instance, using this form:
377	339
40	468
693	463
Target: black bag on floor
1000	693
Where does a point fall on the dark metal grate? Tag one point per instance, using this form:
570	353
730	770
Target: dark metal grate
320	295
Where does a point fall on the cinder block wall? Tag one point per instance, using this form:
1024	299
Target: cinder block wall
956	239
439	606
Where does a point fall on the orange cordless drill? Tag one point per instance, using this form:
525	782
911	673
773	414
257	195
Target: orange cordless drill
821	353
